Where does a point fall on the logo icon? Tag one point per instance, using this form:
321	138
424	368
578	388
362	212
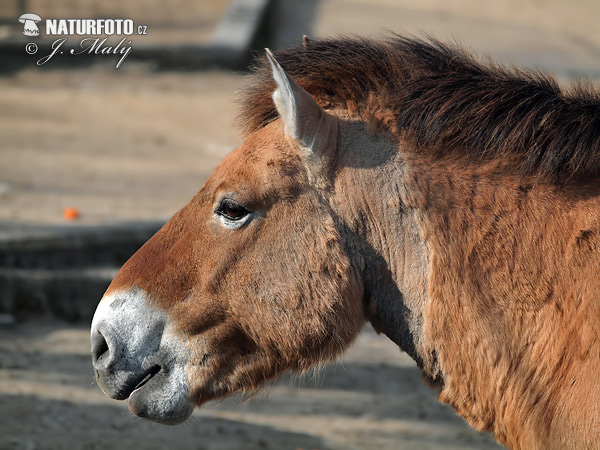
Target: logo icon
29	21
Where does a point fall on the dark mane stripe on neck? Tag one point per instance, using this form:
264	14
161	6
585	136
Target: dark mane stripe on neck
443	100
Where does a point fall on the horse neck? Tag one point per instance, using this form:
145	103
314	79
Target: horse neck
383	238
514	287
479	277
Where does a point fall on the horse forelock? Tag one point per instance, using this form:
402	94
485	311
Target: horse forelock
444	101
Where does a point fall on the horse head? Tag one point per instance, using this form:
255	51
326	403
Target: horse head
250	279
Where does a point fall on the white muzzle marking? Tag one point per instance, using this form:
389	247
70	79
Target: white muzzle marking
137	355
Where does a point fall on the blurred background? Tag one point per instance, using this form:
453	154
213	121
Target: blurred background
94	159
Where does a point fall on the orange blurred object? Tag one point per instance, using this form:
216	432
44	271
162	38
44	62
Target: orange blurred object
70	213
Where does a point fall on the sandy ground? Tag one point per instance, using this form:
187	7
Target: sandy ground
137	144
132	145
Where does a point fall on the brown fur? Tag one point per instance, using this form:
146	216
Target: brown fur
455	207
514	311
260	321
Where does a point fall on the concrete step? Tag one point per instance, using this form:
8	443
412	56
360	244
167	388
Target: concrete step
62	271
61	247
70	294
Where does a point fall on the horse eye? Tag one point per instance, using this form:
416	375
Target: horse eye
232	210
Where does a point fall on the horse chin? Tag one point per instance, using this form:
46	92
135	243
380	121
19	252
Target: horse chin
219	377
163	399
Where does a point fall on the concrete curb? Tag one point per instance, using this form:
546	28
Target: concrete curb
69	294
62	271
56	247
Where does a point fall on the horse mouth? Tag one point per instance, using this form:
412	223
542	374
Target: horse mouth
161	395
147	377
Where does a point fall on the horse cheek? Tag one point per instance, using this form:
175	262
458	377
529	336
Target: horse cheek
316	312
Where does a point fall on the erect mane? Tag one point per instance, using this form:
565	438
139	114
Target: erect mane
441	99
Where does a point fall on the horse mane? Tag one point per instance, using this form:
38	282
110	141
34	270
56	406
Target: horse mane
443	100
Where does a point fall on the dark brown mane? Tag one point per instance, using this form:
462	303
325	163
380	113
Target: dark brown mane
444	100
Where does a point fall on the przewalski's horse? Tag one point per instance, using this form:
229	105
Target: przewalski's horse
453	204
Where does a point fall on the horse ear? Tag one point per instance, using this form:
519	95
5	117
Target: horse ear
302	117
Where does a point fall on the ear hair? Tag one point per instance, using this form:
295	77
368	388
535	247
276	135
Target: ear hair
303	119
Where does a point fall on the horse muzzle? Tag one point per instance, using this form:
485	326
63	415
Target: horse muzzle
137	356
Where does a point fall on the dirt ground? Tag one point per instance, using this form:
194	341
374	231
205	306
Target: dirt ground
133	143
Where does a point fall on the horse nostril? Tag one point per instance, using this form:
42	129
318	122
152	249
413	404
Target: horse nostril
99	346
